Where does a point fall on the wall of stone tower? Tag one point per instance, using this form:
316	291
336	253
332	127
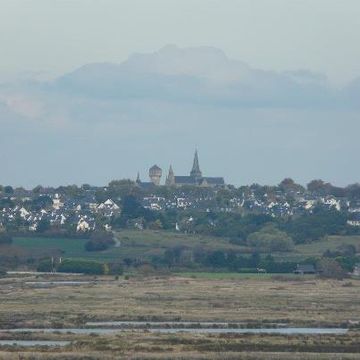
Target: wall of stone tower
155	179
155	174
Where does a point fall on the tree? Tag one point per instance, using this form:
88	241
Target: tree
172	256
37	189
85	187
353	191
217	259
6	203
41	202
319	187
315	226
330	268
156	225
269	239
43	225
289	184
131	206
116	269
122	188
99	241
8	190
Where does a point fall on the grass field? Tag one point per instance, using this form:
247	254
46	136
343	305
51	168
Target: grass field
144	244
331	243
134	244
71	247
317	248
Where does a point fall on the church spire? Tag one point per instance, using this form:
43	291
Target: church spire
196	172
170	180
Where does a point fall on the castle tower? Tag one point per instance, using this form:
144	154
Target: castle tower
155	174
170	180
196	172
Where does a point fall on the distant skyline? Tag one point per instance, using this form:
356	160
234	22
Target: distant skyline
92	91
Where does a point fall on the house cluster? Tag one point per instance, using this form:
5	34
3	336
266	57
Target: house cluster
81	214
29	210
275	204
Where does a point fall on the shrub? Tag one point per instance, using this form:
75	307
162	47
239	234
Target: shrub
99	241
331	269
45	265
116	269
82	266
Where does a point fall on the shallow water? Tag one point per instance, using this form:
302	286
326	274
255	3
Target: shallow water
104	331
284	331
30	343
162	324
44	283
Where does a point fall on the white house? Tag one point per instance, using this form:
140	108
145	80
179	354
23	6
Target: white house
82	225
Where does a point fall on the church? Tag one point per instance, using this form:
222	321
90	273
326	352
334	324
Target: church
194	179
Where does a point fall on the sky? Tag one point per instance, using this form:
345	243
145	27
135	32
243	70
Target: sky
59	35
265	89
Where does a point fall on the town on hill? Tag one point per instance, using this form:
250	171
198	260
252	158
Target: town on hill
249	221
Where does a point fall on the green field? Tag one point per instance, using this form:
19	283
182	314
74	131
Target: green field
145	244
331	243
69	246
134	244
317	248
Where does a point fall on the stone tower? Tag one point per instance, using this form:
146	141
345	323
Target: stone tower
195	171
155	174
170	180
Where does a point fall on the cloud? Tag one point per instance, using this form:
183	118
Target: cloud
23	105
201	75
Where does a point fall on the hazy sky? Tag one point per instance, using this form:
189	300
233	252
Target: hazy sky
58	35
253	120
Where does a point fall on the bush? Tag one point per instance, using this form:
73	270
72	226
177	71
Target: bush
44	265
331	269
116	269
99	241
43	226
82	266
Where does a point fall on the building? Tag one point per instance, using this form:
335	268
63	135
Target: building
306	269
145	185
356	271
155	174
195	178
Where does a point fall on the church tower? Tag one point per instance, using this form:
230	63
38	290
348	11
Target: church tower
155	174
170	180
196	172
